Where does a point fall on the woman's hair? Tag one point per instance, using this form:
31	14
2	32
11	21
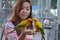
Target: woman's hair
17	8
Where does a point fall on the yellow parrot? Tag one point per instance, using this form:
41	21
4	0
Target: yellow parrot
23	24
38	26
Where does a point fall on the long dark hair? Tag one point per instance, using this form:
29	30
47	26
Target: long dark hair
17	8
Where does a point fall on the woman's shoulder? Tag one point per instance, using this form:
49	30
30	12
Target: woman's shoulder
9	24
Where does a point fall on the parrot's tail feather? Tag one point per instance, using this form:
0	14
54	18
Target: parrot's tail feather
43	37
11	32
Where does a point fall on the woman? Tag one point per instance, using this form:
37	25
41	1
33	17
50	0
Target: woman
22	11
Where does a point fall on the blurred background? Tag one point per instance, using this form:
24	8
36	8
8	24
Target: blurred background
47	11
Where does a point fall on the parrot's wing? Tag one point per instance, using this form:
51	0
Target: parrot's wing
41	29
42	32
22	24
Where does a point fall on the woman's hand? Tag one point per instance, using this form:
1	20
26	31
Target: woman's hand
29	31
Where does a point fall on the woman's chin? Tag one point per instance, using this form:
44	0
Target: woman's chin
23	18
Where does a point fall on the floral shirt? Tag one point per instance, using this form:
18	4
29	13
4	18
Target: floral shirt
8	28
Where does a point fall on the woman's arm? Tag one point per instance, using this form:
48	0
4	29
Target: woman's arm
10	36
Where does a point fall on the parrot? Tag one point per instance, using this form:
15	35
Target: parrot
23	24
39	28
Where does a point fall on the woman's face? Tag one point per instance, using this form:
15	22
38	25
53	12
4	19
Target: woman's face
25	11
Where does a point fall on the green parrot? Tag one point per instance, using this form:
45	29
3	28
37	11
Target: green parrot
23	24
39	27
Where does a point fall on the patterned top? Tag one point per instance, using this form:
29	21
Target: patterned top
8	28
